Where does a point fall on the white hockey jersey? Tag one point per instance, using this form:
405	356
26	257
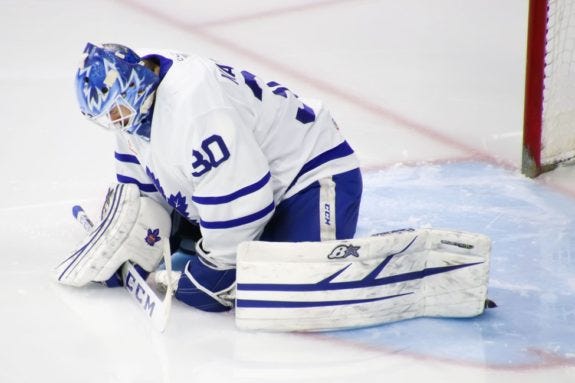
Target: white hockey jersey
226	147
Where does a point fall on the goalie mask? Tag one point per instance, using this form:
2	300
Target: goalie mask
115	89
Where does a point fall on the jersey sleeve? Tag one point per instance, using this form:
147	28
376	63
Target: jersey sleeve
233	191
130	171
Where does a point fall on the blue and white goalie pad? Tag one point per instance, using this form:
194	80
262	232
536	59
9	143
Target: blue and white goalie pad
314	286
133	228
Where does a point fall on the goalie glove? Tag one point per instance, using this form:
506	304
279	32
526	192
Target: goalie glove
133	228
201	286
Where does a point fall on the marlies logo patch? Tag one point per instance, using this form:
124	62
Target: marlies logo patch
344	251
153	236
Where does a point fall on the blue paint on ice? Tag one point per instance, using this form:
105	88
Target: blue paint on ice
532	271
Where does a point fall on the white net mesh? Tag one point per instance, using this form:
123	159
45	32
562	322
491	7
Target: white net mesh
558	132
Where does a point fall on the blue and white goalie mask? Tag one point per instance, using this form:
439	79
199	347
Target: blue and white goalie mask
115	89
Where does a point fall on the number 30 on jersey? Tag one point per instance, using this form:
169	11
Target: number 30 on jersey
212	153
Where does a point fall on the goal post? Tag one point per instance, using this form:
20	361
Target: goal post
549	113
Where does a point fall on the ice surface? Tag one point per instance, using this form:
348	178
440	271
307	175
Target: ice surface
429	94
532	269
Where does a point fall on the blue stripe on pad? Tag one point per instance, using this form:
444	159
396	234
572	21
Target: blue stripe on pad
360	284
248	303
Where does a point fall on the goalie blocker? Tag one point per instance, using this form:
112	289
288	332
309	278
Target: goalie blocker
314	286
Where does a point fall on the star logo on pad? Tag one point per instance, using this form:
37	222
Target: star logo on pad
344	251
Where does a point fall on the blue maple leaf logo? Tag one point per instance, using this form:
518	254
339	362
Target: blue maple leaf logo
152	237
178	202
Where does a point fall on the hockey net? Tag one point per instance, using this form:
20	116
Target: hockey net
549	120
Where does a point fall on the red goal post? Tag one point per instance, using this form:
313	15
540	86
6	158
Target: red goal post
549	114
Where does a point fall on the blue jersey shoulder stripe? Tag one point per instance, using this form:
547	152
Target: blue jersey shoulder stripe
238	221
235	195
339	151
122	157
148	188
